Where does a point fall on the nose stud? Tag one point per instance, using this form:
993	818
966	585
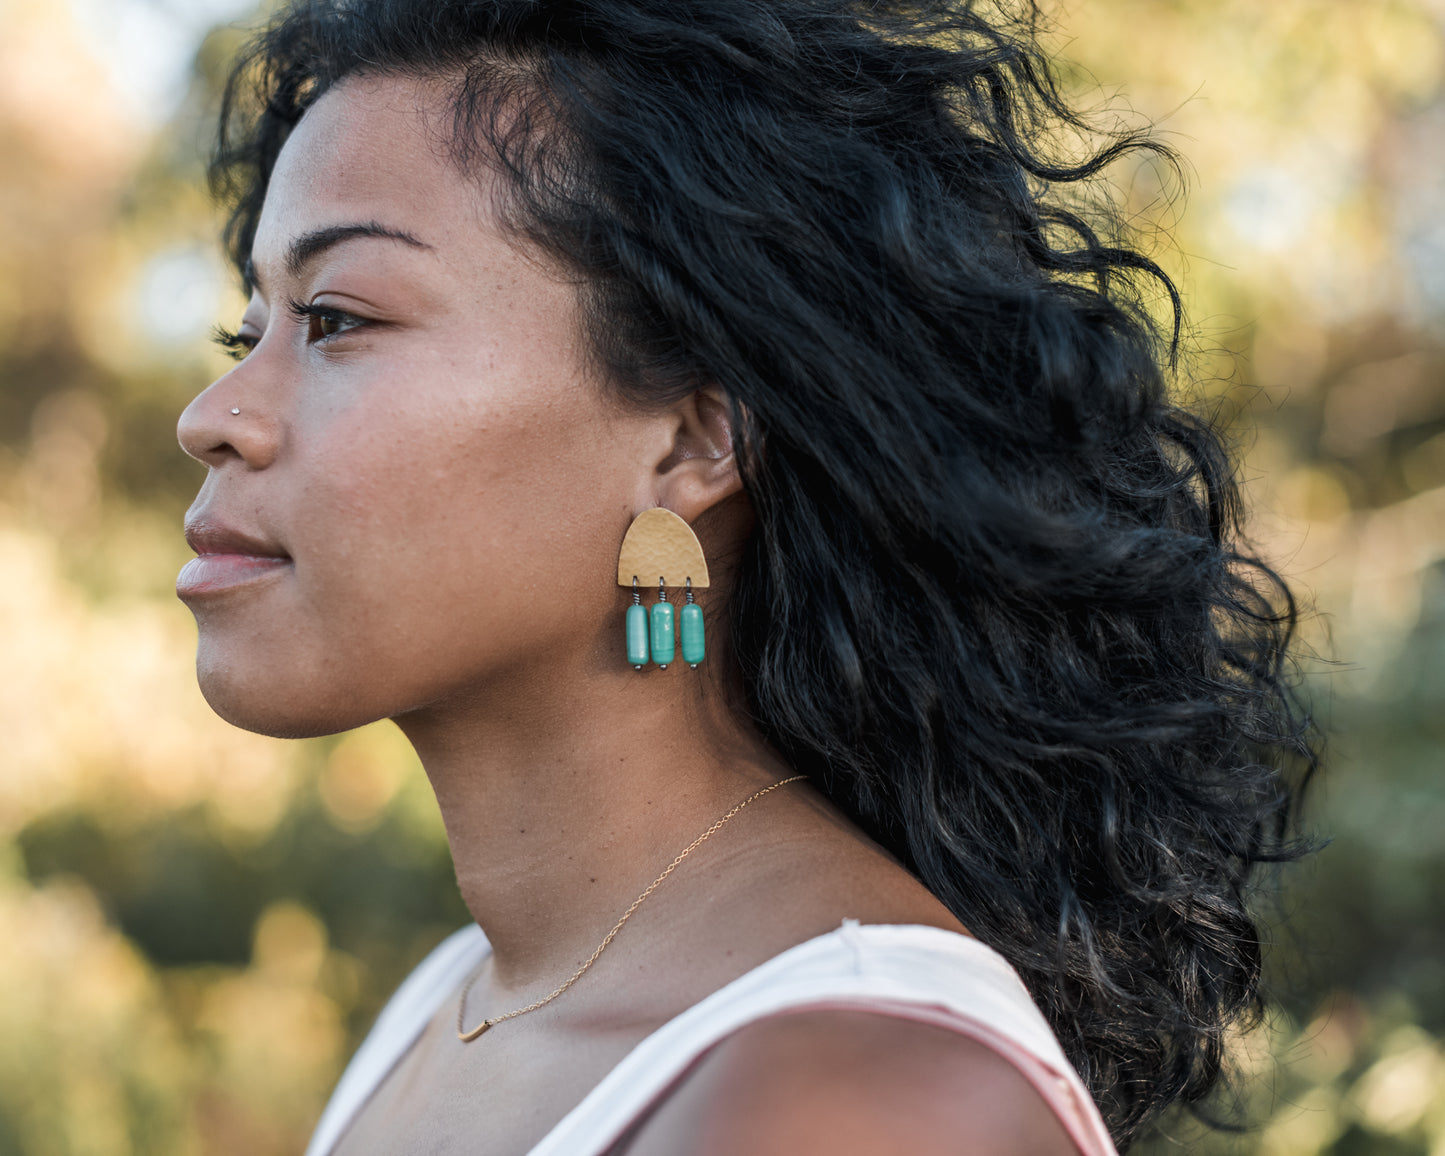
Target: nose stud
235	411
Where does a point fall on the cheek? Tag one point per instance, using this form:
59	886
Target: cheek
444	534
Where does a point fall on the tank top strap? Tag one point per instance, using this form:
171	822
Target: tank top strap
406	1013
919	973
925	974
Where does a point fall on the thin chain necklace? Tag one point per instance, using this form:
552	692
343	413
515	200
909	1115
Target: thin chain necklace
468	1036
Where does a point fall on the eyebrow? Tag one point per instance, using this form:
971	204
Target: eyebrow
308	246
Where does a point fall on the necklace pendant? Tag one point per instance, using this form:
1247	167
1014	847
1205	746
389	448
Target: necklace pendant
467	1037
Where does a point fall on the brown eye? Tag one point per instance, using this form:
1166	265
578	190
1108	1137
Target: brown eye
322	323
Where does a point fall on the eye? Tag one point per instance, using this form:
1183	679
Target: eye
330	323
236	345
323	322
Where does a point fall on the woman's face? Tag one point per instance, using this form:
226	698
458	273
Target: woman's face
424	490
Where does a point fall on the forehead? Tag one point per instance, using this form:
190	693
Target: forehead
370	149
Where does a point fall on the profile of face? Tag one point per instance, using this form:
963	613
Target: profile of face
422	495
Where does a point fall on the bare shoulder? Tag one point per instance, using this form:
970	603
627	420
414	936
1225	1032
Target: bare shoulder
848	1083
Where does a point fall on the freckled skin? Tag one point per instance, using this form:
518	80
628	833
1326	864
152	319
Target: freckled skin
411	466
452	487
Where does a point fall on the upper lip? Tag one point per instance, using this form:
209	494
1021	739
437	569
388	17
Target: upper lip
209	536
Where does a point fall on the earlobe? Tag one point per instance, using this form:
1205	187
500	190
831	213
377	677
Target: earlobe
702	468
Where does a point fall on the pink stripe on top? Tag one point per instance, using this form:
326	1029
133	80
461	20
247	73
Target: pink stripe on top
918	973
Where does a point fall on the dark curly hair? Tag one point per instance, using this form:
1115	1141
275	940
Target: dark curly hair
997	603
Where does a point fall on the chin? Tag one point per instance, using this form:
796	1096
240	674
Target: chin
278	708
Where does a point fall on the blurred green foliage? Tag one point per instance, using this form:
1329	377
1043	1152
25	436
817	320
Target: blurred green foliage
200	924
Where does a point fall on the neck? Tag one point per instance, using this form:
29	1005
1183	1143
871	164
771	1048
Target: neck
566	792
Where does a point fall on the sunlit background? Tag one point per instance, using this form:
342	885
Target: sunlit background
197	924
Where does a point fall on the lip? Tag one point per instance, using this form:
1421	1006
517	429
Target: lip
212	573
227	558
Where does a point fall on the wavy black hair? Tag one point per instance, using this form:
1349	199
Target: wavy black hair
997	603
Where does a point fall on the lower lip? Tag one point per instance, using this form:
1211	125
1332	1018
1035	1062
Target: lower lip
211	573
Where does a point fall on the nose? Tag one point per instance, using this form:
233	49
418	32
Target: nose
218	427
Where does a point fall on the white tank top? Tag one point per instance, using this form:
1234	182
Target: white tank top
918	973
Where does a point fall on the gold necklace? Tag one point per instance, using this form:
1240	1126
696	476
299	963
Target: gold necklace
468	1036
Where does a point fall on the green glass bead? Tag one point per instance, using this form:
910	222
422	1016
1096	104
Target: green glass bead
664	636
638	653
693	647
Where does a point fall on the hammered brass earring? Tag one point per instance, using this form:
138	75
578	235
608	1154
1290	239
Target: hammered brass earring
660	544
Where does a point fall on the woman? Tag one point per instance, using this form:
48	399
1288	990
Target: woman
986	690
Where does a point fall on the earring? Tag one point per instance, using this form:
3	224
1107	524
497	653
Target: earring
664	631
659	542
693	645
638	652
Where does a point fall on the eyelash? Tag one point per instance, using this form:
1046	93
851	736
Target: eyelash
238	346
314	315
234	344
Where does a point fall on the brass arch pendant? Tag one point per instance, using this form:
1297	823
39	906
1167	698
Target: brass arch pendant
660	546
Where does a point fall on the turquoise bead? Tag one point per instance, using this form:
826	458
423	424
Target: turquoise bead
693	647
638	653
663	635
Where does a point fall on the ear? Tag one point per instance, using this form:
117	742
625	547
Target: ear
701	468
